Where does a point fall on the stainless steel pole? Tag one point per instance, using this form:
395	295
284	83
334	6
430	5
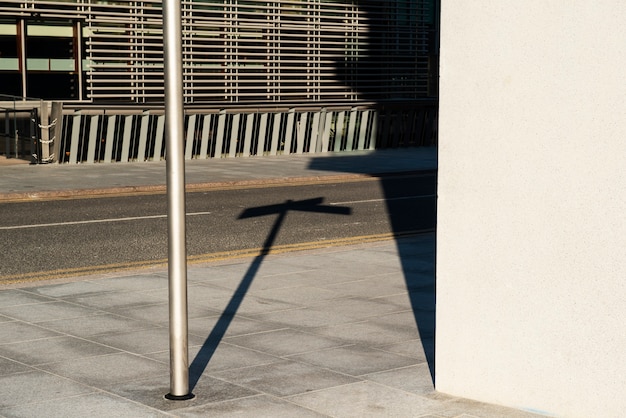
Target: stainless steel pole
22	55
175	163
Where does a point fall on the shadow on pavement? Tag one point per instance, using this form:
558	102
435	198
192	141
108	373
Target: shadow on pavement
411	208
205	354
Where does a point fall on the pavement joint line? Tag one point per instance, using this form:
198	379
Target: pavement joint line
38	276
16	197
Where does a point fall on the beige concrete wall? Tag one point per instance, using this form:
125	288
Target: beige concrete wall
531	251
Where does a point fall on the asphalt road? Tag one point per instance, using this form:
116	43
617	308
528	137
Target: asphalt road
45	239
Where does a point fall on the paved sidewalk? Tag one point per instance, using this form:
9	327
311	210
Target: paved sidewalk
339	332
40	181
336	332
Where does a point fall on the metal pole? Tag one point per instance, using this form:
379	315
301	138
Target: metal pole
22	54
175	163
78	54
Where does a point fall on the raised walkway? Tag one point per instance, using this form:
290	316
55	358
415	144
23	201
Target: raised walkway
333	332
44	180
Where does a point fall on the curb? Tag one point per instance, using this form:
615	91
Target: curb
111	270
198	187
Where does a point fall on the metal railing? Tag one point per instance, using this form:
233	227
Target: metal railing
21	136
92	134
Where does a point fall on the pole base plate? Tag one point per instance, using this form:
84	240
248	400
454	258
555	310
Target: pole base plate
171	397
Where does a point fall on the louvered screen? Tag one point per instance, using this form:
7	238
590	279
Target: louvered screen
250	50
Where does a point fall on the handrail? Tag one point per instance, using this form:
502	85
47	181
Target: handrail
99	133
157	108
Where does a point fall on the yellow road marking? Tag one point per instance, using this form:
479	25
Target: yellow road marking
129	191
198	259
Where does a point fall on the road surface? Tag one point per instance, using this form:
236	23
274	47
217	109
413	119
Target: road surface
56	238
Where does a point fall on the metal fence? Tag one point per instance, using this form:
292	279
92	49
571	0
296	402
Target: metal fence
233	50
90	135
19	128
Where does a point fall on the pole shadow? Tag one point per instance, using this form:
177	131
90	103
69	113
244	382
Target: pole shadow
202	359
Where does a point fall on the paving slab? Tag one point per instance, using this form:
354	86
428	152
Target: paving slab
53	350
108	370
236	325
93	325
150	392
368	333
17	331
158	313
411	348
354	360
101	405
73	289
18	297
366	399
114	300
136	282
414	378
36	386
284	342
142	342
285	378
11	367
223	357
261	406
39	312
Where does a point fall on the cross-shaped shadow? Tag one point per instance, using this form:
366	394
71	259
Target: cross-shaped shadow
202	359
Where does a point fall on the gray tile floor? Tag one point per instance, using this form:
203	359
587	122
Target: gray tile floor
339	332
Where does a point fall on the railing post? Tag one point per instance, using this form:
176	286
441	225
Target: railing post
57	130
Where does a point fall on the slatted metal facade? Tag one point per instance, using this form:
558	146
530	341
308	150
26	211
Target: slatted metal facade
134	135
245	50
